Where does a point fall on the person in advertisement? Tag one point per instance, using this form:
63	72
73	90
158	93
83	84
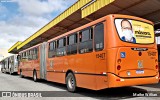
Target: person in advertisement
127	31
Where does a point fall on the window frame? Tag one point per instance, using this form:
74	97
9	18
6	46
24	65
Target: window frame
75	34
54	48
81	32
103	36
91	32
59	47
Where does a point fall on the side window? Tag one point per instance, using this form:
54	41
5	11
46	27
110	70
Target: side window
51	46
86	41
99	37
35	53
61	44
52	49
30	54
72	44
25	54
20	56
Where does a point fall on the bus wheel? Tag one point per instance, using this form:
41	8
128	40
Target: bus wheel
21	75
71	82
10	72
35	76
2	70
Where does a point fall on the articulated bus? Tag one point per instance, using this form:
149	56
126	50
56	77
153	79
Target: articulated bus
10	64
113	51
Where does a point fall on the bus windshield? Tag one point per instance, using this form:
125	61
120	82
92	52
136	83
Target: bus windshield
134	31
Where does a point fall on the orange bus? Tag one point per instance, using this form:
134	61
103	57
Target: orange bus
113	51
158	48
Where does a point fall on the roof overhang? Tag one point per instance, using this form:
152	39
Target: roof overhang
73	17
84	11
13	49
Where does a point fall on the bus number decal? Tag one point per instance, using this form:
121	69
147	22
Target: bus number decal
150	53
100	56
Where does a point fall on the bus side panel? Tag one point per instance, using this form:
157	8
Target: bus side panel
85	70
101	61
37	67
55	69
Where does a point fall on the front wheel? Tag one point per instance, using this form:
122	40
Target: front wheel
71	82
2	70
21	75
10	72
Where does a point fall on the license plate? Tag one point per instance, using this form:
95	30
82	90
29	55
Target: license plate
139	71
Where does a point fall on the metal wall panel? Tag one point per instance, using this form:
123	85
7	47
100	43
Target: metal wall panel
95	6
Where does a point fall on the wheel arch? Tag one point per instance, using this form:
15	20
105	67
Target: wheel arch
69	71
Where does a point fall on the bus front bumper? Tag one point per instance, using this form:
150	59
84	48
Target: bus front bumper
116	81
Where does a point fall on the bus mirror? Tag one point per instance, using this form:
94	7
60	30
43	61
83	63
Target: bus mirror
18	57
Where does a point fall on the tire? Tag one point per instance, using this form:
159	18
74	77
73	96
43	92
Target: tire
21	75
10	72
2	70
71	82
34	76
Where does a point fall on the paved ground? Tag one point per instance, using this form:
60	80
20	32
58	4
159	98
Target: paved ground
14	83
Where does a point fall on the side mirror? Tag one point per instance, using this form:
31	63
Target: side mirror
18	58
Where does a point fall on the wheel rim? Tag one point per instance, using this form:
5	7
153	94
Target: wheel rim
71	82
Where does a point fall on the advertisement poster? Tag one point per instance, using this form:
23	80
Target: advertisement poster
135	31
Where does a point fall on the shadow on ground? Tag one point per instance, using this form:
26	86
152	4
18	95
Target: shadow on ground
153	85
111	93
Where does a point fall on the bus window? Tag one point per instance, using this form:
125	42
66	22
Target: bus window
26	54
72	44
21	55
29	55
99	37
52	49
51	46
61	50
35	53
85	39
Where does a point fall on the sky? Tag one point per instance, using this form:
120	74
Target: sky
19	19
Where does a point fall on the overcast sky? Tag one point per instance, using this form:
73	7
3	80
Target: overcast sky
19	19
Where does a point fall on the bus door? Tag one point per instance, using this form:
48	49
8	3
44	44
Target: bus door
43	60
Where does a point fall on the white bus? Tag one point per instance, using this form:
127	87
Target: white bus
10	64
